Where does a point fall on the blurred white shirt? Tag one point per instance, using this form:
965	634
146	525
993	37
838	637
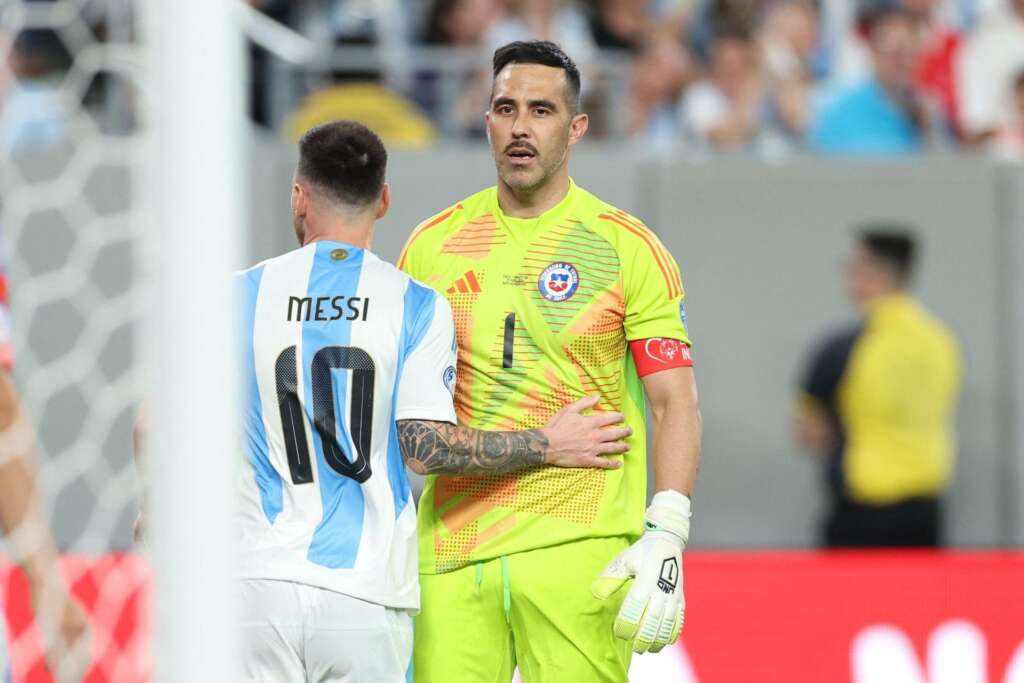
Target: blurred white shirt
986	67
569	30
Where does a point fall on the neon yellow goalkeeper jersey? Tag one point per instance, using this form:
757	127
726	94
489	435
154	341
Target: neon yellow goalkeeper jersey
544	309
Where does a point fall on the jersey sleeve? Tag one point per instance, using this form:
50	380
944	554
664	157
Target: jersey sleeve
414	257
826	366
427	384
654	291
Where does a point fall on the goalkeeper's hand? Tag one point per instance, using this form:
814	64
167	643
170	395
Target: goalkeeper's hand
652	614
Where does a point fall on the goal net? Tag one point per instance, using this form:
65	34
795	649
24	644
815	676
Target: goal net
103	153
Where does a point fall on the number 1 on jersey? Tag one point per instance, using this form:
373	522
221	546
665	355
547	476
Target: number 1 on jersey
510	338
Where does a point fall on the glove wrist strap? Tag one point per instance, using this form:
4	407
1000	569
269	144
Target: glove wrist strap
669	511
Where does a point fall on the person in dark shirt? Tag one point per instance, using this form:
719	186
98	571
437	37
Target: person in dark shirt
877	402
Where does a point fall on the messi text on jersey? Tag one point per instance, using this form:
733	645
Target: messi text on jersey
324	308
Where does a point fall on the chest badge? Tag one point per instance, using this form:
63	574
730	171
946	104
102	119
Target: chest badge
559	281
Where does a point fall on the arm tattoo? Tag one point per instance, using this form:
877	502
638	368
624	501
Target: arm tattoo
443	448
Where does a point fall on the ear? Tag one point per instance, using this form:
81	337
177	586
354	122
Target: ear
385	202
578	128
300	201
487	124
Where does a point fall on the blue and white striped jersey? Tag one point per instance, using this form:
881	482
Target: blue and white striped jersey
337	346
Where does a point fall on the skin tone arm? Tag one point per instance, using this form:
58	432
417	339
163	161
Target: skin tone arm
813	428
62	620
569	439
677	428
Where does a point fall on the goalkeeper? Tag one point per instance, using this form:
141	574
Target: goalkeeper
556	294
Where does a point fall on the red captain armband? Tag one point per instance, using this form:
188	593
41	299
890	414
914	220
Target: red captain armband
657	354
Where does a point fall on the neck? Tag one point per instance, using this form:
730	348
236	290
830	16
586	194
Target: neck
872	302
357	231
530	204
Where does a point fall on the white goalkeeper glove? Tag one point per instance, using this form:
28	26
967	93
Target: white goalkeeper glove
652	613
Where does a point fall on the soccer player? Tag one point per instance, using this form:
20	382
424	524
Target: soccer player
556	295
350	369
61	619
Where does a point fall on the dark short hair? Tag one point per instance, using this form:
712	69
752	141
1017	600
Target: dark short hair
345	161
545	53
874	17
894	246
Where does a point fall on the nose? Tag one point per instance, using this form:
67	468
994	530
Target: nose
519	130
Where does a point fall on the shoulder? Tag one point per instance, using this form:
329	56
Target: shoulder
441	224
835	99
390	273
838	344
939	331
830	356
253	273
623	229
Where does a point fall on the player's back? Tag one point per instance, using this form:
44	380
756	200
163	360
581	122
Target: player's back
337	345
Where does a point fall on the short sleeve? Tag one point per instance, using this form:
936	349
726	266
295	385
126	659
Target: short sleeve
827	364
427	375
408	261
654	292
415	256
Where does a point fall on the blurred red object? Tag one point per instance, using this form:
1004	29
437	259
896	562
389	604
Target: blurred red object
793	617
114	591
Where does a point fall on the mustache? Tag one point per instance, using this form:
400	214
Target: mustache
522	145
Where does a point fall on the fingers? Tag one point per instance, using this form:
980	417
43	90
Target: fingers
582	404
605	419
647	635
613	448
668	631
631	614
616	433
601	463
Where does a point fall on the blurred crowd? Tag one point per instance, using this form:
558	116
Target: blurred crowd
766	77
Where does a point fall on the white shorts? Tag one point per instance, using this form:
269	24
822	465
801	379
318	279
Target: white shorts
295	632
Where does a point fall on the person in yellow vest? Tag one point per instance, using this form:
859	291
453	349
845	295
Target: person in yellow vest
877	401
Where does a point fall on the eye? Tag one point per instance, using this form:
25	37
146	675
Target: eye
542	111
505	109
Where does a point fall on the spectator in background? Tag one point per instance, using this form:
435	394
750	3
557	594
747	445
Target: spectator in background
724	110
986	67
629	24
714	17
659	75
883	114
619	24
32	111
556	20
936	75
789	43
460	24
877	403
1009	142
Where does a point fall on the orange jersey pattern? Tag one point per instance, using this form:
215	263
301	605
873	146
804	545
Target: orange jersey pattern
544	309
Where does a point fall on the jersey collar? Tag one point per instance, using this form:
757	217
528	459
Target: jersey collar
552	216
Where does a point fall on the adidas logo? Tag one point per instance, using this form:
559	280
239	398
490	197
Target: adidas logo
465	284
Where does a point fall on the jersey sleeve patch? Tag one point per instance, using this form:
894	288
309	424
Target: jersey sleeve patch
657	353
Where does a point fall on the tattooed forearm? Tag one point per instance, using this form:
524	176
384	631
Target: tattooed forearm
443	448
